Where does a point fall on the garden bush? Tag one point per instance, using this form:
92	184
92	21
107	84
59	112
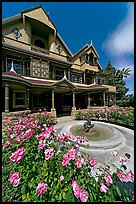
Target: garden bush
123	116
39	165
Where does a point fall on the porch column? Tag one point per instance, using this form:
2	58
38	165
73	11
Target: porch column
73	112
104	98
53	73
114	99
27	98
68	73
88	107
6	97
23	70
84	77
94	80
73	99
53	110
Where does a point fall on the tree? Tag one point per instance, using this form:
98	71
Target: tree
115	77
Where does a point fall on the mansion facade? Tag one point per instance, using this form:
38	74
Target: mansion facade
39	71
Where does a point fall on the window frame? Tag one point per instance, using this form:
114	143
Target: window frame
13	59
14	99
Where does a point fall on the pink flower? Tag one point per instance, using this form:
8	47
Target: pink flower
65	160
108	179
123	177
76	189
114	153
36	122
16	182
92	161
21	151
9	129
72	153
83	195
78	163
17	155
8	122
14	178
61	178
79	154
41	145
103	188
42	188
124	159
50	129
49	153
131	175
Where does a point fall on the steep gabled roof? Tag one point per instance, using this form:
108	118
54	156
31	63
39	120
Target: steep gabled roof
79	52
91	46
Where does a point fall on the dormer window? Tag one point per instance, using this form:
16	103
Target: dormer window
39	43
86	58
16	32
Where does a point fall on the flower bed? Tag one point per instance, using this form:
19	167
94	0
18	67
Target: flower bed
116	115
39	165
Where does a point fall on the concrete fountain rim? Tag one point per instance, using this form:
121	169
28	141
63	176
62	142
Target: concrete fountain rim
110	143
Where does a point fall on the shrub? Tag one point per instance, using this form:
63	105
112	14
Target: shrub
39	165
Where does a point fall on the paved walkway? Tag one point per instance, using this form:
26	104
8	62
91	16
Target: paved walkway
104	155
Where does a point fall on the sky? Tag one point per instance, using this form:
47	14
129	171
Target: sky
109	25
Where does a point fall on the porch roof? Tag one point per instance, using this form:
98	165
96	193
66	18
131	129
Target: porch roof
53	83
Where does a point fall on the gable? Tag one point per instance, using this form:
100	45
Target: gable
39	15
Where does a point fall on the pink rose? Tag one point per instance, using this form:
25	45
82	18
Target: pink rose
65	160
131	175
21	151
92	161
123	177
42	188
76	189
72	153
83	195
61	178
108	179
49	153
78	163
103	188
14	178
16	182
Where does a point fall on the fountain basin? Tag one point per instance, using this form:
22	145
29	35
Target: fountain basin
114	139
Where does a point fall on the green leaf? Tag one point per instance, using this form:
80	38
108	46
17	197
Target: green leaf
23	189
118	191
23	196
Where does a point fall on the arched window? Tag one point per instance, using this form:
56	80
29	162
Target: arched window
39	43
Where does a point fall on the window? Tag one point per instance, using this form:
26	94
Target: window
75	78
39	43
19	99
91	59
15	65
59	74
86	58
16	32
